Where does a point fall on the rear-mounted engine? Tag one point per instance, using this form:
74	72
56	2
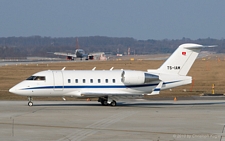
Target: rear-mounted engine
138	77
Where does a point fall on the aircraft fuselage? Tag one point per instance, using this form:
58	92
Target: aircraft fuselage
94	83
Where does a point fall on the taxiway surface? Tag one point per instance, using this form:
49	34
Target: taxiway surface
187	120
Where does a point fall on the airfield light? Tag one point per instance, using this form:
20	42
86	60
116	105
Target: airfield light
213	88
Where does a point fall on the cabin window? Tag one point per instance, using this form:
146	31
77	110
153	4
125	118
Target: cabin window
76	80
99	80
114	81
91	80
106	81
83	80
38	78
69	80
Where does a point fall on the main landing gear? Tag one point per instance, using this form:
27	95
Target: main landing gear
30	103
105	101
113	103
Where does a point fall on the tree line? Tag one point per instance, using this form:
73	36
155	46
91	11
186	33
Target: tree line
39	46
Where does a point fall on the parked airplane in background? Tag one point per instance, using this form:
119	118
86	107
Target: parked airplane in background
111	85
79	53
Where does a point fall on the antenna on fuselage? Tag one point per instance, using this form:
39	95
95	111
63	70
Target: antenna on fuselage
112	68
63	68
94	68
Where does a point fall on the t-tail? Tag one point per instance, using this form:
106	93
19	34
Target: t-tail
182	59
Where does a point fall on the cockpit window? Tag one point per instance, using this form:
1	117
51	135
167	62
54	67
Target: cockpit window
36	78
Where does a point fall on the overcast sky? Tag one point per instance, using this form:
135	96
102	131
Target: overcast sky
140	19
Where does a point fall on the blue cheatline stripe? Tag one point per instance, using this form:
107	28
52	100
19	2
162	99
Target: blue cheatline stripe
90	87
97	86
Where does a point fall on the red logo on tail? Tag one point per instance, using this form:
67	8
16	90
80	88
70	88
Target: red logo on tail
184	53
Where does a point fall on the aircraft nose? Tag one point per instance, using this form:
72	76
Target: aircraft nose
12	90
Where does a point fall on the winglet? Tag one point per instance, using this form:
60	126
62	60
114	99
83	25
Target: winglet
157	89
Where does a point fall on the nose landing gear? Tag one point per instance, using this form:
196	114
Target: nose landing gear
30	103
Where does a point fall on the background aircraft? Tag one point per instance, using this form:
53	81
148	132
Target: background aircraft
111	85
79	53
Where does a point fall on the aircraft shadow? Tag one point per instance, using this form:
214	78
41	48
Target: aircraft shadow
68	104
170	104
124	104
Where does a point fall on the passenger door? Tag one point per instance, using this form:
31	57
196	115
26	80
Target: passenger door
58	80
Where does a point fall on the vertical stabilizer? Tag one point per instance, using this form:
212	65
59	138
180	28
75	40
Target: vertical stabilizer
182	59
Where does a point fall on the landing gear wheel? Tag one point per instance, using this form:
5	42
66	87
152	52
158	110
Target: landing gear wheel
113	103
30	103
104	102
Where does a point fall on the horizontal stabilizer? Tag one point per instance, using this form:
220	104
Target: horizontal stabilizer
199	46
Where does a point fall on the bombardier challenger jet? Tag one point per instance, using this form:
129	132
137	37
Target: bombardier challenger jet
111	85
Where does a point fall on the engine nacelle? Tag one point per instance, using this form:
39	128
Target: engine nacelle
69	58
138	77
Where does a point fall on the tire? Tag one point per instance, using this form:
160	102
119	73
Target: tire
113	103
30	103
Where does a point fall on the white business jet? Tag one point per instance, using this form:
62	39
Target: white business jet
111	85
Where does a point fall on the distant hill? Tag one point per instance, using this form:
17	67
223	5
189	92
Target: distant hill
39	46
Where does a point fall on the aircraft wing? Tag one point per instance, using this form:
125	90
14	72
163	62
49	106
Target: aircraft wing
115	95
96	53
65	54
157	89
100	94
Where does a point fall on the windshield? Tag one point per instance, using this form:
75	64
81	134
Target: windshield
36	78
